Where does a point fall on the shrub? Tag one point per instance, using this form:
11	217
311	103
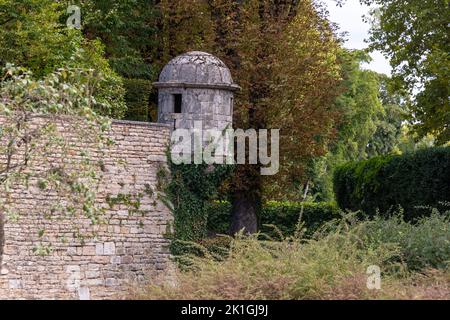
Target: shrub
290	269
383	183
137	99
217	246
282	215
332	264
109	89
425	244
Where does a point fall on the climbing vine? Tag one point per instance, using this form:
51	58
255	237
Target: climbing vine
188	191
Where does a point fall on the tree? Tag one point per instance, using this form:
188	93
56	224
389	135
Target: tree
370	122
285	58
283	55
33	36
414	34
386	138
360	106
128	28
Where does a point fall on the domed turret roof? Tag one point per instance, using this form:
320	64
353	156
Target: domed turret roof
196	69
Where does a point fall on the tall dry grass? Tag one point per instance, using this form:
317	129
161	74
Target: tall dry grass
331	265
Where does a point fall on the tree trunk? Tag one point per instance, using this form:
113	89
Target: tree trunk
244	213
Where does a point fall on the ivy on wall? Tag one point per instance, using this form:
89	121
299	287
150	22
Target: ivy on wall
188	190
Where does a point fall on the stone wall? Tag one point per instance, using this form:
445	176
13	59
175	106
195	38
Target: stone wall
126	248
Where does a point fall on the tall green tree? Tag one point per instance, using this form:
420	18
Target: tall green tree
387	136
33	34
129	30
414	35
360	106
370	122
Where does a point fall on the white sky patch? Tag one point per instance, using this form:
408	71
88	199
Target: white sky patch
349	19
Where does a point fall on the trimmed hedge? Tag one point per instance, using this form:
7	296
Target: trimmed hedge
284	215
137	99
385	183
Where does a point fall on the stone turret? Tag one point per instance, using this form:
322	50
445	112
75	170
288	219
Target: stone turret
196	86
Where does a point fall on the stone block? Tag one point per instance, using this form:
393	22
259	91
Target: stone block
99	249
109	248
89	251
84	293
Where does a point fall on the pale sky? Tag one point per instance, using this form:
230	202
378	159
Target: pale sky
349	19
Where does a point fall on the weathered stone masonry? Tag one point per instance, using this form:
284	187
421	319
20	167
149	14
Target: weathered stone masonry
127	248
192	87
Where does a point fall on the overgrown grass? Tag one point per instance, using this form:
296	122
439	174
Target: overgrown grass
331	265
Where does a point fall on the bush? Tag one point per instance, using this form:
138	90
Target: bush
387	182
331	265
283	215
425	244
287	270
137	99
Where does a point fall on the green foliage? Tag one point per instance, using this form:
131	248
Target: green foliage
371	117
66	91
290	269
425	244
386	138
218	246
332	264
410	141
277	217
189	191
137	99
386	182
128	29
108	89
41	157
414	35
360	106
33	35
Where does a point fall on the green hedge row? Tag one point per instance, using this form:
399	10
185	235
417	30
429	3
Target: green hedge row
137	99
284	215
384	183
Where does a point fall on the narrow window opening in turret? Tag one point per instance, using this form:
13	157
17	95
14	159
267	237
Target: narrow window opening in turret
177	103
